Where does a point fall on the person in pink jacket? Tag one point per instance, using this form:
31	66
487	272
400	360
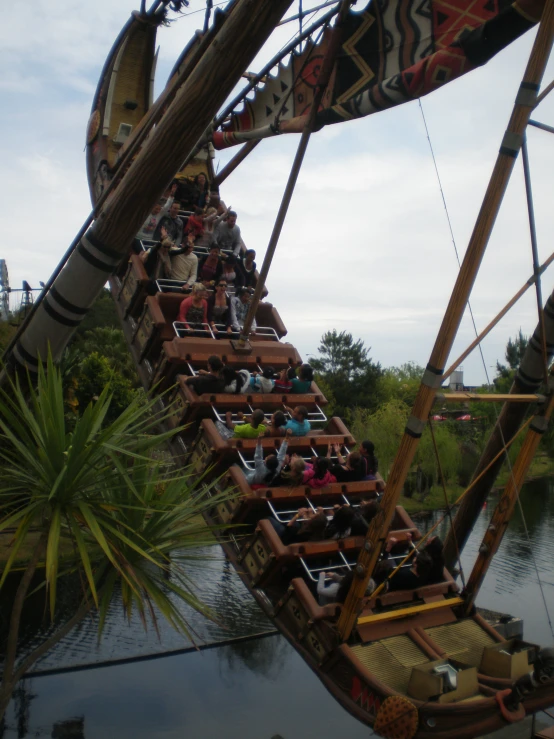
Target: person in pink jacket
317	474
194	309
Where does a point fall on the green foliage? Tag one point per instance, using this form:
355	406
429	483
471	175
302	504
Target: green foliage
97	492
448	450
348	371
384	428
400	383
111	344
7	332
103	314
93	375
515	349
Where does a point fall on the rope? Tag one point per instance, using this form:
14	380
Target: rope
504	449
447	503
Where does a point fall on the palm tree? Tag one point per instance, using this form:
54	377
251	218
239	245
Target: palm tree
98	502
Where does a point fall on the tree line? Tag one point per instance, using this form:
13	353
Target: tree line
376	403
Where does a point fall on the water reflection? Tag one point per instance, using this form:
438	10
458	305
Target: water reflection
511	584
252	689
184	696
219	587
265	657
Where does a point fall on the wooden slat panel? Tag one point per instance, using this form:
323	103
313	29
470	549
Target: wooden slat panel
411	611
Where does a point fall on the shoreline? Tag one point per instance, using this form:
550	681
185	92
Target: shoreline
542	466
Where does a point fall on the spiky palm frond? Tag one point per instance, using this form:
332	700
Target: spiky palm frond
97	493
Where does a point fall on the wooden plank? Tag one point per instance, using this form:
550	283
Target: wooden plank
411	611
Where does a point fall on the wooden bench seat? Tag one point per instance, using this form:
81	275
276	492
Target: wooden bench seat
211	448
248	502
188	405
176	355
155	324
264	554
426	593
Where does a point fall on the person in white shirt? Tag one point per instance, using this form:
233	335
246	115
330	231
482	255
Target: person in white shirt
227	234
185	266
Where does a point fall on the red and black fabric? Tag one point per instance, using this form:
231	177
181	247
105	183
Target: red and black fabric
392	52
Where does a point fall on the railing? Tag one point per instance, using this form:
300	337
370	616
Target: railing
200	251
265	332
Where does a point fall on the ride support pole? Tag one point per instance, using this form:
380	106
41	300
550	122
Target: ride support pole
433	376
322	82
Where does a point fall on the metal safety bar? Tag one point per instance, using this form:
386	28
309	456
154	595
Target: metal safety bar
313	572
267	332
220	415
183	333
198	250
165	285
278	514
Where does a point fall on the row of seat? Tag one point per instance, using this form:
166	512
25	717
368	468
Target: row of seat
159	313
265	555
248	505
210	448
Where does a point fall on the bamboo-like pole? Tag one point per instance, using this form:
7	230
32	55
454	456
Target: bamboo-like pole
505	506
460	295
322	82
100	251
534	250
499	316
527	380
488	398
547	90
304	13
239	157
542	126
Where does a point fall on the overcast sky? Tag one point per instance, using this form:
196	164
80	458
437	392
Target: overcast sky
366	246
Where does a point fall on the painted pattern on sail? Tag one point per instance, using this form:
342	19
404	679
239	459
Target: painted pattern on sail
275	99
392	53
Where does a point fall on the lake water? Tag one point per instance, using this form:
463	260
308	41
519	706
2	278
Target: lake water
249	688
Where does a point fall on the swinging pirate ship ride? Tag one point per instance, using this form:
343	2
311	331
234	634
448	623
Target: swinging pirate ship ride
417	663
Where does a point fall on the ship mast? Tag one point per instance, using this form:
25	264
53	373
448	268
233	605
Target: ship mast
432	379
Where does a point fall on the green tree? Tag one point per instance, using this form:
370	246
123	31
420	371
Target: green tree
93	502
515	349
384	428
7	332
111	344
348	371
448	450
103	314
400	383
92	375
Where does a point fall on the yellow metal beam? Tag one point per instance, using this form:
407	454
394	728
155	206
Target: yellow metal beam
412	611
488	398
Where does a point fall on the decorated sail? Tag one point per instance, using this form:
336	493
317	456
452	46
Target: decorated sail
391	53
